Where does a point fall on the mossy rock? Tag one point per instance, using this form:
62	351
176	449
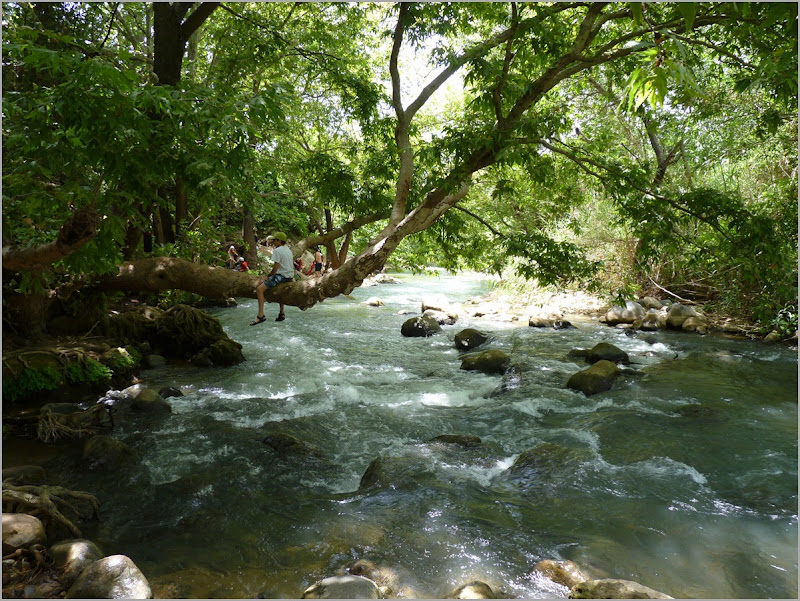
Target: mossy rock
608	352
547	460
420	327
597	378
493	361
469	338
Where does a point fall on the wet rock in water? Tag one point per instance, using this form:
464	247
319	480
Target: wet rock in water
631	312
696	411
374	301
546	460
387	579
113	577
490	362
343	587
225	352
595	379
611	588
383	472
169	391
154	361
437	302
149	401
563	324
566	573
72	556
473	590
607	352
465	440
20	531
103	453
578	353
442	318
24	474
286	445
678	314
469	338
420	327
539	321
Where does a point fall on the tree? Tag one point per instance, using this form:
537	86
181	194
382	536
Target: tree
515	60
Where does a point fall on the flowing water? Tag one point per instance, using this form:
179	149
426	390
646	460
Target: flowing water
684	478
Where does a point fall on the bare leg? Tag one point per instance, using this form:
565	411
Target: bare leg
260	294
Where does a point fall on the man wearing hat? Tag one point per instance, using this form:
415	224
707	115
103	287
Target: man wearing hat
282	271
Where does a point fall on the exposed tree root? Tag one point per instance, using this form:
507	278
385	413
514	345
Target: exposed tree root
48	502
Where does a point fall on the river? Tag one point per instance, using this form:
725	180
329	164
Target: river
683	479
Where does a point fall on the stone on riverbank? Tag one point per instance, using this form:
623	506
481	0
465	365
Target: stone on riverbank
72	556
678	314
493	361
417	327
631	312
469	338
610	588
20	531
113	577
343	587
597	378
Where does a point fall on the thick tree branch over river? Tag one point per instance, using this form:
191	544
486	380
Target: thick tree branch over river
343	143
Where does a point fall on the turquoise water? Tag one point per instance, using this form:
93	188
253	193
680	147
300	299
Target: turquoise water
698	502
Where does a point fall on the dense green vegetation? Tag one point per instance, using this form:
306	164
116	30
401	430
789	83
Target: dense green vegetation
632	147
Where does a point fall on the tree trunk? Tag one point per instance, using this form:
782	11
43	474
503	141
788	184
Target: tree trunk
249	237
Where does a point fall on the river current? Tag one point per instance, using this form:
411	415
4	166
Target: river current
683	478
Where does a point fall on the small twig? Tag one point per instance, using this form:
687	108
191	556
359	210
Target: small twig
683	300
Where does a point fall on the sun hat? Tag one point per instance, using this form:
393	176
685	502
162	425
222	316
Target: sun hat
240	259
279	236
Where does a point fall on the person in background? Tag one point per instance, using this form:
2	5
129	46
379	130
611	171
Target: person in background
319	260
241	265
282	271
232	257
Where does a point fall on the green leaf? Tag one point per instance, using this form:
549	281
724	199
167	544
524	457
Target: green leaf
636	9
688	10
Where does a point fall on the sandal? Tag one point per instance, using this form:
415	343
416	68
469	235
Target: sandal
258	320
280	317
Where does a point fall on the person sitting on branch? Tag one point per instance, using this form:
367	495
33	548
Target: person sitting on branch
282	271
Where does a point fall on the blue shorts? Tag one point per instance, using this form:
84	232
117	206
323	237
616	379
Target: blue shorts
275	279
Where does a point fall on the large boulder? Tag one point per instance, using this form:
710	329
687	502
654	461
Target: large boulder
697	324
631	312
679	313
597	378
649	302
20	531
226	352
442	318
113	577
469	338
420	327
342	587
72	557
437	302
287	446
493	361
605	351
103	453
611	588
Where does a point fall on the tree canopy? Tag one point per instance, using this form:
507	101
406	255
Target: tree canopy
626	144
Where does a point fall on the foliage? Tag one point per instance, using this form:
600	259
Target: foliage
30	381
87	372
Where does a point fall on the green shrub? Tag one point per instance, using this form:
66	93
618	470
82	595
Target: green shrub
29	382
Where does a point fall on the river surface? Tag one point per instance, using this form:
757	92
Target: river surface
683	478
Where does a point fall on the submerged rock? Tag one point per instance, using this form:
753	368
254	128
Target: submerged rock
490	362
597	378
611	588
286	445
149	401
107	454
465	440
343	587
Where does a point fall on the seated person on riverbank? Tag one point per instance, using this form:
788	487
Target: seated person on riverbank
241	265
282	271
